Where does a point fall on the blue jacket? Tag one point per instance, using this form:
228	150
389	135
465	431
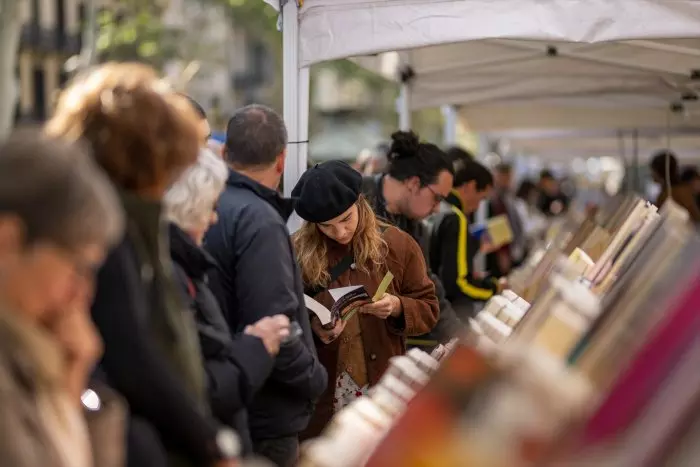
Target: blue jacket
258	277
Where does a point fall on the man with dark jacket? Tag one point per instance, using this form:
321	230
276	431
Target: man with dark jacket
453	248
434	173
259	277
552	202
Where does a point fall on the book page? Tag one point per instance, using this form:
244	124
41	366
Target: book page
337	294
323	313
499	230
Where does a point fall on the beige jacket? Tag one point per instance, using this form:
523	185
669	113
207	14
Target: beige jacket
39	425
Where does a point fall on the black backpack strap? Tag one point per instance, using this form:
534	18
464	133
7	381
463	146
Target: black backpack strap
335	272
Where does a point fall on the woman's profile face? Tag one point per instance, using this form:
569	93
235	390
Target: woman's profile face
44	280
342	228
198	233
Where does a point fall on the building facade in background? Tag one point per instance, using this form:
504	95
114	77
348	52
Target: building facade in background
233	67
51	33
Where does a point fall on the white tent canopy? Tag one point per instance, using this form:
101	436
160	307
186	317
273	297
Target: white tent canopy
333	29
627	83
438	35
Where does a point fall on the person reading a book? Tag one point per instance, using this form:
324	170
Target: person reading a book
342	244
453	247
502	203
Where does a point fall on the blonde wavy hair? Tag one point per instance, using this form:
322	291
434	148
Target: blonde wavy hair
368	246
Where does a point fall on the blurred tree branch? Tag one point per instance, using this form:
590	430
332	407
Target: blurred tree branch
10	28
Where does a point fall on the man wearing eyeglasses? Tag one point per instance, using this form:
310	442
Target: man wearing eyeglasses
412	188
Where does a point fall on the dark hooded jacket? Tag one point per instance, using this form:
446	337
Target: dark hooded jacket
258	276
448	325
236	366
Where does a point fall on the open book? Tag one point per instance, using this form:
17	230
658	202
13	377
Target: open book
347	300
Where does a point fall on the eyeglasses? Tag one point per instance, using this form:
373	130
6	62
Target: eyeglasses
437	197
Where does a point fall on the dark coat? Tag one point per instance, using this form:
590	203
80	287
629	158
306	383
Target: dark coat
381	339
448	325
547	203
141	340
258	277
452	252
237	366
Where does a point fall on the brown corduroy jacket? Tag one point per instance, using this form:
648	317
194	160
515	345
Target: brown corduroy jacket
380	339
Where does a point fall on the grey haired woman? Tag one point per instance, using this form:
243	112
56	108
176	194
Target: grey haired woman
236	366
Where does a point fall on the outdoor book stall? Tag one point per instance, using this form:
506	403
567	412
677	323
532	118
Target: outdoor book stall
600	355
591	357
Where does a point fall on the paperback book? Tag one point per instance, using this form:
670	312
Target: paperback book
346	302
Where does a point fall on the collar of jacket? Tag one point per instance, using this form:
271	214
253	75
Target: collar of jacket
454	199
32	351
379	192
379	205
192	258
284	206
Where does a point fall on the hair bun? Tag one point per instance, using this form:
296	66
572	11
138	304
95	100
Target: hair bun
404	144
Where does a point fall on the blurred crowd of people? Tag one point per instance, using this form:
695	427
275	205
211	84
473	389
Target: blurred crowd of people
152	299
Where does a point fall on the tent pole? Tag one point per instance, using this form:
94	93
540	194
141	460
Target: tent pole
291	86
303	103
623	158
403	107
635	159
449	117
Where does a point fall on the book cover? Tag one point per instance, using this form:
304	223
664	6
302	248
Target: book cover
499	231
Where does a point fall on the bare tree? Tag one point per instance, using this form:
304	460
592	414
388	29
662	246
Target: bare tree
10	27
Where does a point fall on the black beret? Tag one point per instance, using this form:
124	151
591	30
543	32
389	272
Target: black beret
326	190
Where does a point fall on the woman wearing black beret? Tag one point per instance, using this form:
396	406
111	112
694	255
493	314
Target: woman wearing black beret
341	229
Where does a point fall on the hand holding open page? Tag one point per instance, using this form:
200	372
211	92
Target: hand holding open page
347	302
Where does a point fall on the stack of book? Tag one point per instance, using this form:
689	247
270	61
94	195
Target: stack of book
357	430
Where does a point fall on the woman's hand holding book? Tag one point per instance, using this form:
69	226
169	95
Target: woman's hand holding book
388	305
327	335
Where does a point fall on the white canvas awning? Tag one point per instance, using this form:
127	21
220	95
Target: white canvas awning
484	54
333	29
528	84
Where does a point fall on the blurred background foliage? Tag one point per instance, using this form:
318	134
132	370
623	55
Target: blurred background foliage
135	30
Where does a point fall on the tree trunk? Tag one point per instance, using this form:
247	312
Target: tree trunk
10	27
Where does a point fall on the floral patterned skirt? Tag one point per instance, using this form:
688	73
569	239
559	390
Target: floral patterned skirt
346	391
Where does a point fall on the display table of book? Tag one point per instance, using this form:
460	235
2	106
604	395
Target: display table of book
590	359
